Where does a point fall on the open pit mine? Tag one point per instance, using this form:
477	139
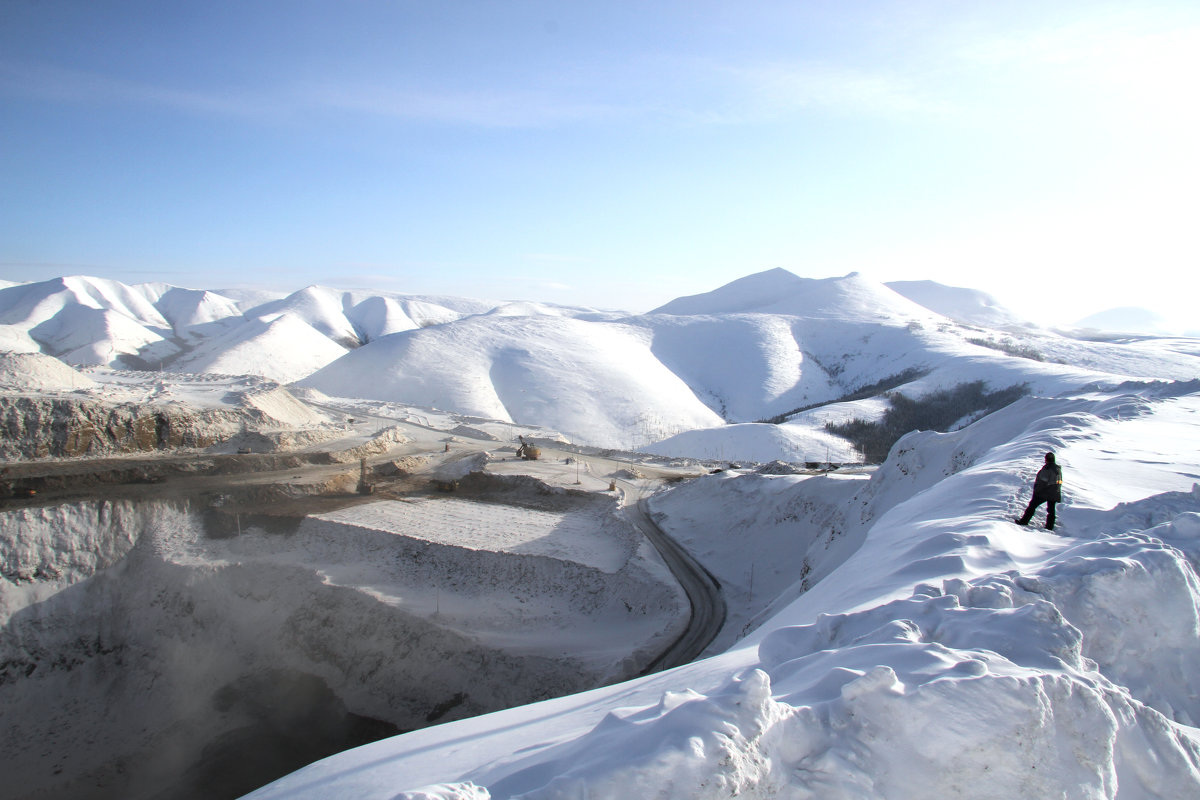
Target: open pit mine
194	624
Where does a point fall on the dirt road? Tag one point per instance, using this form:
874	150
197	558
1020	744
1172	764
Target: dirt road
321	478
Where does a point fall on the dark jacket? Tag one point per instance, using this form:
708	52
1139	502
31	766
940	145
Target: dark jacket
1048	484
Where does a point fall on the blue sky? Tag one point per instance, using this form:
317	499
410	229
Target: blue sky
616	154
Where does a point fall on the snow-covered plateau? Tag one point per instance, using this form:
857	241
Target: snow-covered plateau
885	630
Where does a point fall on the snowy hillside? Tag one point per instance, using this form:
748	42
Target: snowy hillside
778	291
908	640
283	348
597	382
86	320
969	306
768	347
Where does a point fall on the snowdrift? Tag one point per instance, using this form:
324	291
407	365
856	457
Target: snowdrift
945	652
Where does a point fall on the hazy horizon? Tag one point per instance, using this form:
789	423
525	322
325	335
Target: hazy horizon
613	156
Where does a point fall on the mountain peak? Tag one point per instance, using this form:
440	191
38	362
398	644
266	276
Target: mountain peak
778	291
744	294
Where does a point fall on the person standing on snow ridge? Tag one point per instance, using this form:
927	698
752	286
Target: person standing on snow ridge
1047	488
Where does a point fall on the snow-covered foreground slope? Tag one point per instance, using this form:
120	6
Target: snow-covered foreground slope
932	648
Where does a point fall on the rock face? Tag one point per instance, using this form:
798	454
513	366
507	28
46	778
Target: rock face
63	427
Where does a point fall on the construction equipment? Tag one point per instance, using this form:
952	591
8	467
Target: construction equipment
528	451
364	486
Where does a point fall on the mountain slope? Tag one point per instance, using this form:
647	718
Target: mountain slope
777	291
282	347
767	346
597	382
969	306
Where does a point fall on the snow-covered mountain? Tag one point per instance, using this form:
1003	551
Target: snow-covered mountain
778	291
969	306
1127	319
766	346
86	320
890	633
597	382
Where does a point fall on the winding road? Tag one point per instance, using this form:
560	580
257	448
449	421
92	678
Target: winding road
196	474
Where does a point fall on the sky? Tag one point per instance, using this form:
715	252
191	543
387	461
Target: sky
615	154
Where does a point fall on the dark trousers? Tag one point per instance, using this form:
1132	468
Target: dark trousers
1032	507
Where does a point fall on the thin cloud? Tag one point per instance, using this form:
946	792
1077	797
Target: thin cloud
782	88
500	108
650	89
59	84
489	109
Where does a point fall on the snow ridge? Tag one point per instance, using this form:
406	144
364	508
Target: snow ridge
944	652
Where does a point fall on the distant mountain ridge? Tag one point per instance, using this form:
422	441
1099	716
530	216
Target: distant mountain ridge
968	306
765	346
778	291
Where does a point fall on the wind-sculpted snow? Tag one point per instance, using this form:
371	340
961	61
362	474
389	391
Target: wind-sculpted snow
1013	685
945	652
995	688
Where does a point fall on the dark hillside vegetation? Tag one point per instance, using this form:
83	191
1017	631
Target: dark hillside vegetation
933	412
861	393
